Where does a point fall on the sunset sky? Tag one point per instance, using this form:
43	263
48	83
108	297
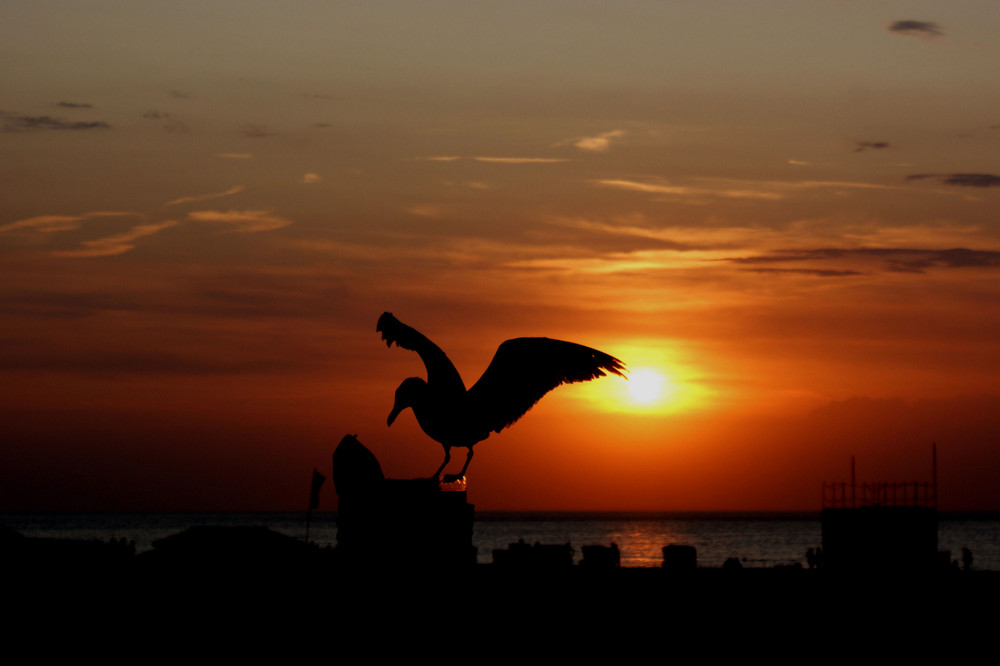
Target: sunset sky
789	212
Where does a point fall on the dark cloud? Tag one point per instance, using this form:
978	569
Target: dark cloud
917	28
177	94
787	256
172	125
74	105
176	127
917	261
899	260
16	122
239	295
817	272
257	131
67	304
110	365
861	146
960	179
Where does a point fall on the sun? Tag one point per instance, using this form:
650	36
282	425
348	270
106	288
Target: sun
657	382
645	385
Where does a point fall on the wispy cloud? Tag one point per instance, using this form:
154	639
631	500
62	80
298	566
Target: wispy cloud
635	227
16	122
45	223
117	244
960	179
925	29
75	105
596	144
651	187
431	211
241	221
54	223
235	156
730	188
521	160
311	178
687	191
204	197
498	160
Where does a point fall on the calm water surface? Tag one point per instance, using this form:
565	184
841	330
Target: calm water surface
757	539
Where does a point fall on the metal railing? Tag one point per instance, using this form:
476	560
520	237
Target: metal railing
849	495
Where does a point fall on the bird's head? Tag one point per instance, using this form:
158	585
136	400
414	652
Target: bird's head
407	395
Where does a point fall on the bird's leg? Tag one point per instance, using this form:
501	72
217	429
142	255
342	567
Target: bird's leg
448	478
447	459
468	459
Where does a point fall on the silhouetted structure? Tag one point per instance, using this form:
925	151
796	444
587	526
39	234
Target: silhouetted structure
21	553
522	371
535	557
206	548
880	526
402	523
601	557
732	564
677	557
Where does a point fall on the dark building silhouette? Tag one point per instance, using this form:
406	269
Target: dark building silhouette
880	526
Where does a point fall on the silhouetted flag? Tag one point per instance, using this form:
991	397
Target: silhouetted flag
318	480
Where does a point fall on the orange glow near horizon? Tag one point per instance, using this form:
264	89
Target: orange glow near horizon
794	267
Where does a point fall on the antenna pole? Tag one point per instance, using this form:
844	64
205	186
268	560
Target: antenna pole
934	464
853	485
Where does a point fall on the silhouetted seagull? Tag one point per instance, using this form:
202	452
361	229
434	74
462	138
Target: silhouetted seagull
521	372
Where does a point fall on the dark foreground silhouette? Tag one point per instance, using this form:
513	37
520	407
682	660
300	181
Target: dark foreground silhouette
400	524
404	573
522	371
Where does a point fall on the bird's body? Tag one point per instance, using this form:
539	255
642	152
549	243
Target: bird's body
522	371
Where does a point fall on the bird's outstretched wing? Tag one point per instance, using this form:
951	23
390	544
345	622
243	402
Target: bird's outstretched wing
525	369
440	369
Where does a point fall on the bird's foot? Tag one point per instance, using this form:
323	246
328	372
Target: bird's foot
452	478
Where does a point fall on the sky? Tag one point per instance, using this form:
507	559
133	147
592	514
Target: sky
785	212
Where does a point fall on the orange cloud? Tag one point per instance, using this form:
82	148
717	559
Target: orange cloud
521	160
598	143
241	221
118	244
53	223
204	197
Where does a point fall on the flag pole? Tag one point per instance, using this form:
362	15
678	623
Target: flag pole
317	483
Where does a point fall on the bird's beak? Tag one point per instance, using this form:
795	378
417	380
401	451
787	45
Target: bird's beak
396	409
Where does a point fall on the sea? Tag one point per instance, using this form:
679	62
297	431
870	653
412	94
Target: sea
756	539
